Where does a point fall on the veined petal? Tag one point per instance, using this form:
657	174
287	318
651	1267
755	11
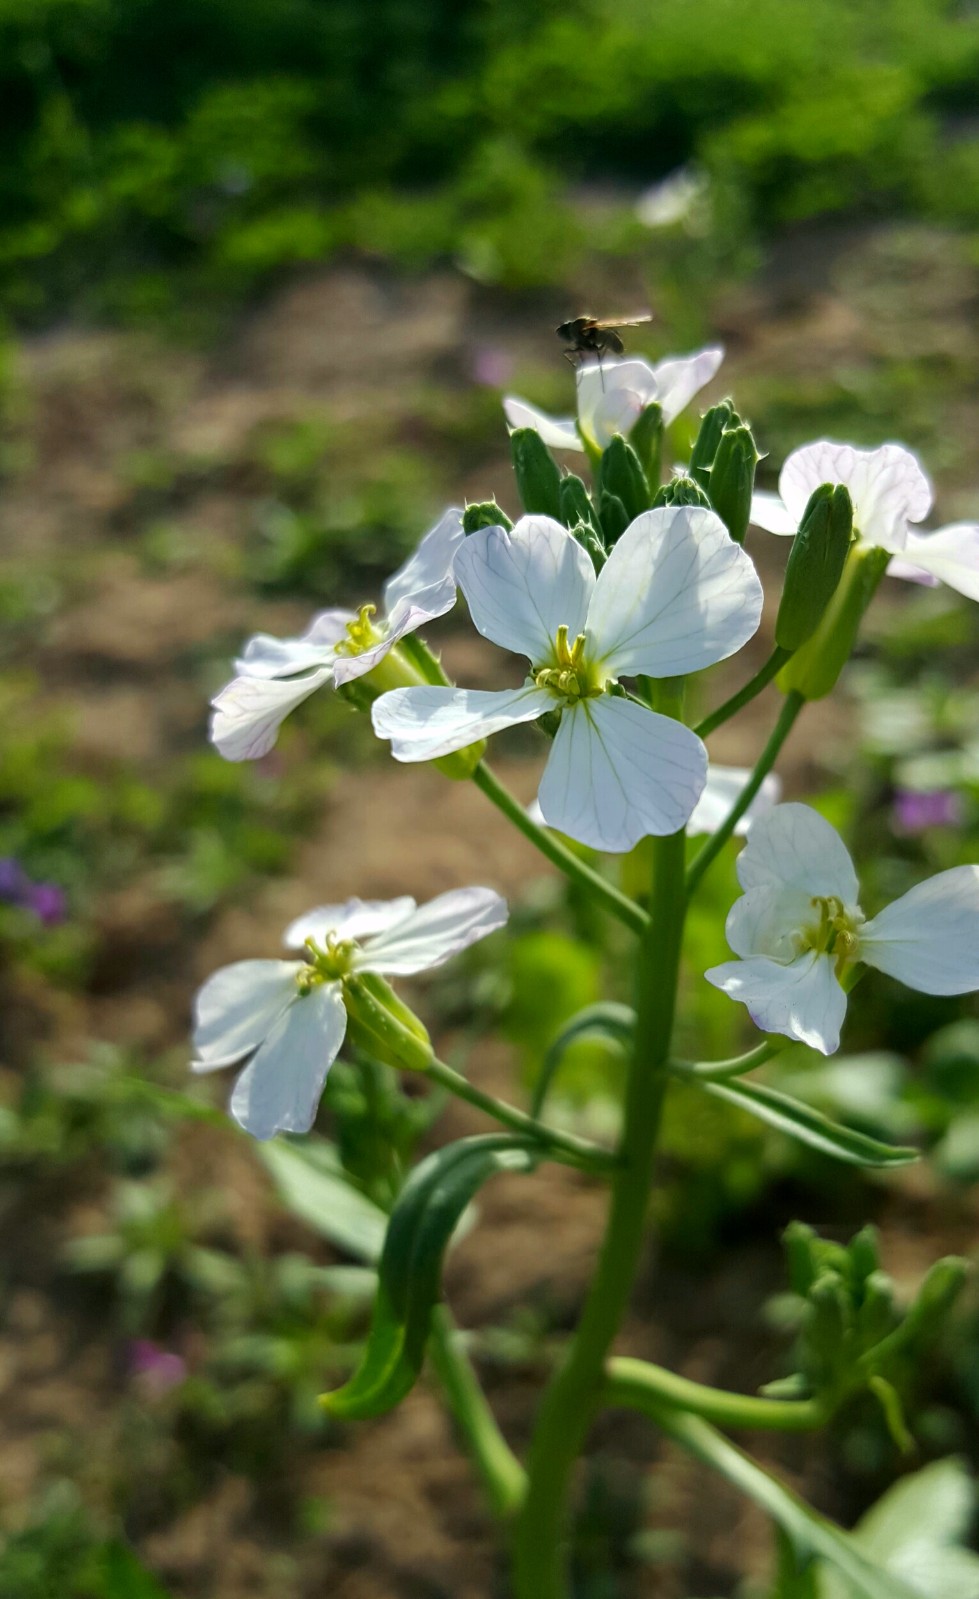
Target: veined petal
425	580
238	1007
523	585
279	1090
951	555
432	934
558	432
725	785
802	1000
929	938
765	921
356	918
675	595
796	847
424	723
250	710
266	656
888	487
681	377
618	772
768	512
611	394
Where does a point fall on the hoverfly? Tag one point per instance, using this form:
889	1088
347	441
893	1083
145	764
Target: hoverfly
586	335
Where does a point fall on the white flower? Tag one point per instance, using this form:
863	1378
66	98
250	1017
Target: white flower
274	675
723	789
798	929
676	595
612	395
890	492
289	1015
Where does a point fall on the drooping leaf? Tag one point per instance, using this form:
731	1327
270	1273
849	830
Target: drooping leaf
410	1271
919	1531
809	1126
313	1185
604	1020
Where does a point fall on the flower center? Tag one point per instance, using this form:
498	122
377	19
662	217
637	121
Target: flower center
327	963
361	633
569	677
835	932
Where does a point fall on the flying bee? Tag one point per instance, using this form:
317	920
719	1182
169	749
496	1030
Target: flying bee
586	335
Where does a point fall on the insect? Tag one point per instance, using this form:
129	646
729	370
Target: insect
586	335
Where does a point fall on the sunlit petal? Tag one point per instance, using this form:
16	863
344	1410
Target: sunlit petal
522	585
766	921
250	710
433	933
238	1007
425	581
265	656
796	847
356	918
929	938
681	377
725	785
888	487
768	512
425	723
279	1090
558	432
802	1000
951	555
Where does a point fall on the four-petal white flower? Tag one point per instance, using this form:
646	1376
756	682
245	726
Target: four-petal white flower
274	675
613	394
289	1015
798	929
676	595
890	492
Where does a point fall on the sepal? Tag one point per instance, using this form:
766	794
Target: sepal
815	566
537	474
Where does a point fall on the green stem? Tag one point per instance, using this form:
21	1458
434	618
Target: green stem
745	695
574	1393
769	755
637	1385
566	1147
585	876
737	1066
499	1469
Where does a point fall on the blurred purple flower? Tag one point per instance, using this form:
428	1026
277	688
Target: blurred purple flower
156	1369
491	366
915	810
14	882
47	901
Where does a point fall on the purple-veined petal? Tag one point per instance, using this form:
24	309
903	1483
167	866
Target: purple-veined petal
888	487
767	921
801	1000
768	512
618	772
237	1008
356	918
678	379
435	932
725	785
795	847
929	938
909	573
266	656
950	556
249	711
425	580
425	723
522	585
279	1090
675	595
557	432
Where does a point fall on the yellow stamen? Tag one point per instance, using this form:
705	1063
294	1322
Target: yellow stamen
361	633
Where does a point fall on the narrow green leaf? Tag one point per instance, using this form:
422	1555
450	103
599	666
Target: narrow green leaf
809	1126
410	1272
313	1185
606	1019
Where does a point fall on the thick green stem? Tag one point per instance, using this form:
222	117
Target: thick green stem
637	1385
499	1469
585	876
766	760
566	1147
574	1393
745	695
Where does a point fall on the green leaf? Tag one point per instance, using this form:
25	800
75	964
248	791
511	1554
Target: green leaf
606	1019
410	1272
916	1531
313	1185
807	1125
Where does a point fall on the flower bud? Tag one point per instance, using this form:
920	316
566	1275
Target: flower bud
536	472
732	479
461	764
814	669
581	519
712	425
646	438
622	476
379	1023
615	517
486	513
680	491
816	563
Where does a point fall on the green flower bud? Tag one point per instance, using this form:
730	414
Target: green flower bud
615	517
461	764
621	475
536	472
484	514
712	425
379	1023
646	438
680	491
732	479
816	562
814	669
576	506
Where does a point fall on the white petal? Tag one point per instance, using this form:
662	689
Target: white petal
765	921
250	710
802	1000
618	411
424	723
888	487
279	1090
558	432
238	1007
951	555
768	512
265	656
911	573
611	394
618	772
440	929
357	918
796	847
680	378
425	580
675	595
725	785
522	585
929	938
